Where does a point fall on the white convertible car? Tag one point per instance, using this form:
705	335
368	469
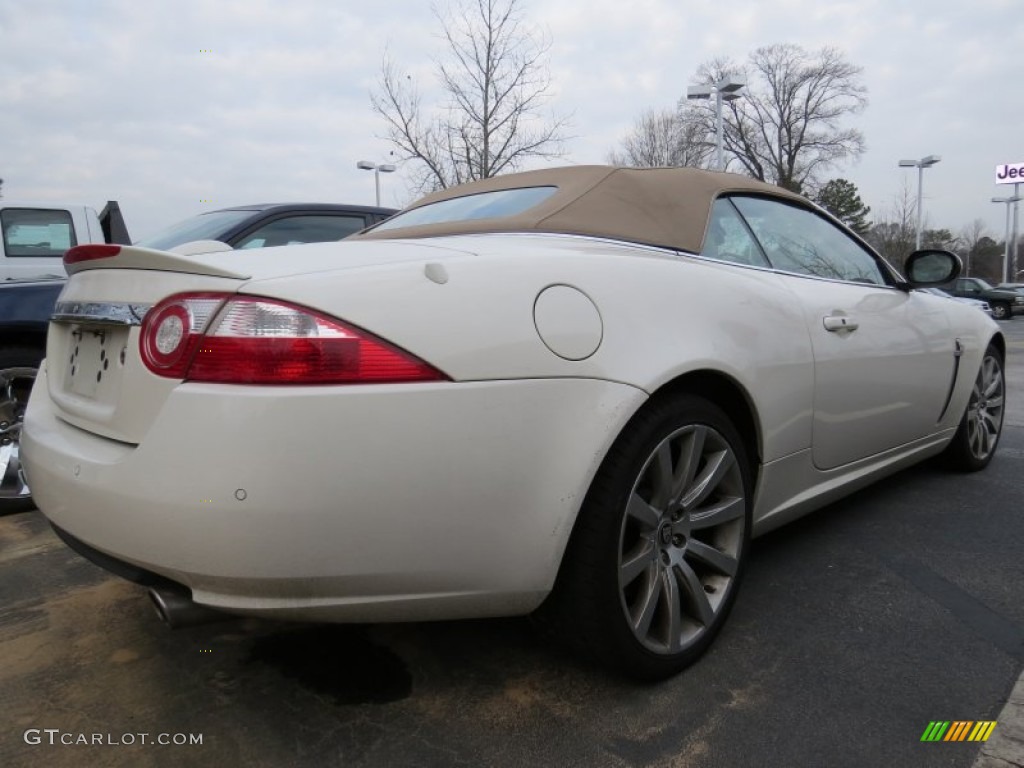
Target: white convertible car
579	390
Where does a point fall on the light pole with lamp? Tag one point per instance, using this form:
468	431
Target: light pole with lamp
1006	251
378	169
1016	239
924	162
726	89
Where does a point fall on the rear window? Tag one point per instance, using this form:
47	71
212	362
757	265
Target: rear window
484	205
36	232
205	226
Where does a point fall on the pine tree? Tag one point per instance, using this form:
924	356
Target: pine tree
840	198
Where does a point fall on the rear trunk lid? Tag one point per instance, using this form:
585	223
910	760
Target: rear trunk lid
96	376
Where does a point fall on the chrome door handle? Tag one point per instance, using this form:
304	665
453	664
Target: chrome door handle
836	323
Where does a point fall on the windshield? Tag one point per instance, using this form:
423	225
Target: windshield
205	226
985	285
485	205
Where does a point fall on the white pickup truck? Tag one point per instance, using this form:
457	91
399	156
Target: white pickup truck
34	236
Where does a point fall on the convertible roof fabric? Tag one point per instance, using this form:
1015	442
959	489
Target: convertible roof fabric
666	207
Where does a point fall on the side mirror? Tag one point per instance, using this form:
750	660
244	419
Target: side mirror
931	267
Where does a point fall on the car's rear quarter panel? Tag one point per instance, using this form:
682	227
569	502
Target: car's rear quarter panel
663	316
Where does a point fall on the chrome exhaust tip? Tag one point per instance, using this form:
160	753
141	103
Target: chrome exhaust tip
176	609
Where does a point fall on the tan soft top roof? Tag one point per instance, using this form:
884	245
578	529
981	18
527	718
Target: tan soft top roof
666	207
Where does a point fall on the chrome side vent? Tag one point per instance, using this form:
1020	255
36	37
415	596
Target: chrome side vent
958	351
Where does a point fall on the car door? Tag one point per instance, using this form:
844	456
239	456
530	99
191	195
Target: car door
883	358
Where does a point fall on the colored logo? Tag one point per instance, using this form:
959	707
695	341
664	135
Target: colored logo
958	730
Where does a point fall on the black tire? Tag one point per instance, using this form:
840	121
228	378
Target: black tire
981	426
647	580
1001	311
18	367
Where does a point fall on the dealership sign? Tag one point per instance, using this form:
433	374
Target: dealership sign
1010	173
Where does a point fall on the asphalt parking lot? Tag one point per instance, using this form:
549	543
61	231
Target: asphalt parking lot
855	628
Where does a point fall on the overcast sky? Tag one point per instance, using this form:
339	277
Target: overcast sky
119	99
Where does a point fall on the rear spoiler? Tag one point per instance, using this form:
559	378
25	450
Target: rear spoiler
112	222
106	256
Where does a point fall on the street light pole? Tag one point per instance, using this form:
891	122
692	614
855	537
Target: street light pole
1006	248
378	169
924	162
1016	237
726	89
920	207
719	130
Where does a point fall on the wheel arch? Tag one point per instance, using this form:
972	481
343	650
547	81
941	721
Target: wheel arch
999	341
576	598
714	386
733	398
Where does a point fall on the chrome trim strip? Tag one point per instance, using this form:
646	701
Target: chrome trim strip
99	313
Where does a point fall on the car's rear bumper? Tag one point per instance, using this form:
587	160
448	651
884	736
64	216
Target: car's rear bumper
368	503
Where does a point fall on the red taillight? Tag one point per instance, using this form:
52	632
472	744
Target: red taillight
172	331
262	341
90	252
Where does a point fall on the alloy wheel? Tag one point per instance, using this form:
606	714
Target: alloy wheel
681	539
15	385
985	408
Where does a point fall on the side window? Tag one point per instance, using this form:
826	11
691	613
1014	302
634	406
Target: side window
302	229
36	232
968	286
798	240
728	238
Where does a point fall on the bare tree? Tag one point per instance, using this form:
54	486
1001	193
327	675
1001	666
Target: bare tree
893	235
495	81
788	125
666	138
983	256
970	238
987	260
